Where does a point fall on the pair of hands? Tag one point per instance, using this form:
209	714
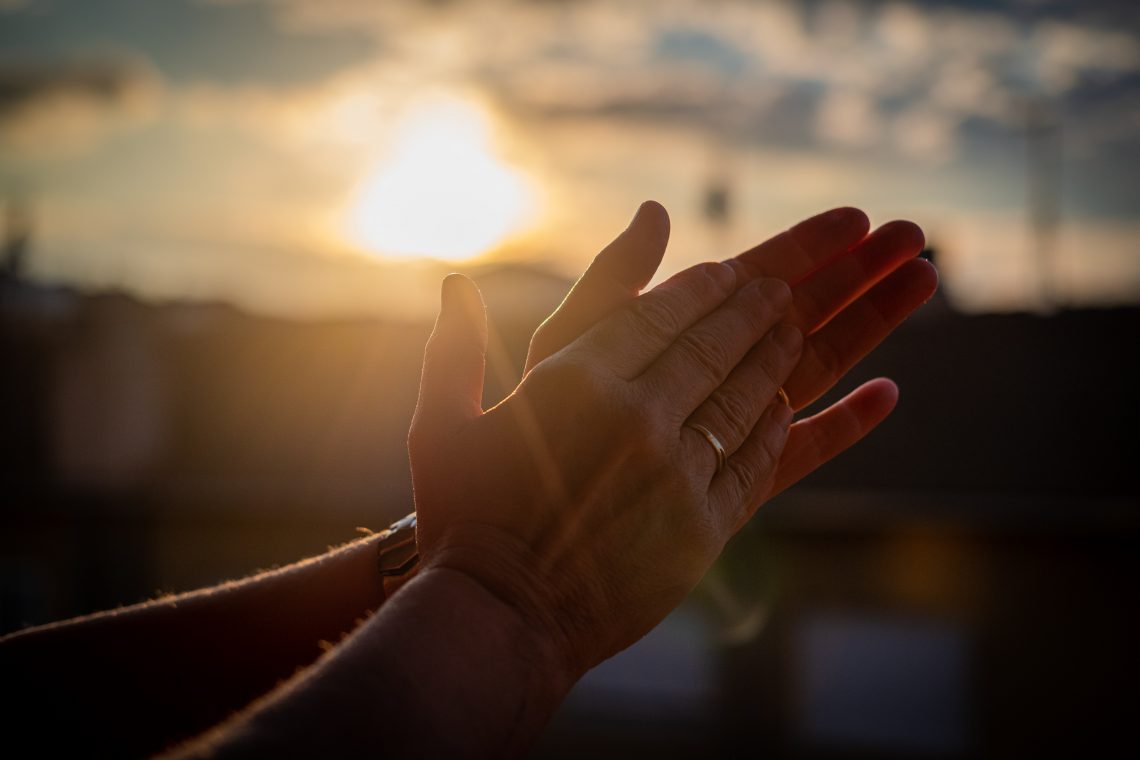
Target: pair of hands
584	500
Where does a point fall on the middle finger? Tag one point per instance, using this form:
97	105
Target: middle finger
700	359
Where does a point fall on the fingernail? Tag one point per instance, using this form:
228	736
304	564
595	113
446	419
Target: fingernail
788	338
775	292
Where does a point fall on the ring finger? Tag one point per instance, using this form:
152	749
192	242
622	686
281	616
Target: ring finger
732	410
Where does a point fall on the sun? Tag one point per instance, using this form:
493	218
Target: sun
441	191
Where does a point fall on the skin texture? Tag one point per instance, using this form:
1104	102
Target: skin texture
556	528
605	508
850	289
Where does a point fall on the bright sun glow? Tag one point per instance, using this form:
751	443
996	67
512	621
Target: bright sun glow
441	191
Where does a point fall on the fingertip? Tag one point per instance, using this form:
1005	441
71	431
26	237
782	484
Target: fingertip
652	219
888	387
919	279
908	234
932	276
453	281
632	257
880	395
461	306
848	218
461	289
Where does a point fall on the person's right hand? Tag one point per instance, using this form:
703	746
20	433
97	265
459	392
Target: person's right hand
585	500
850	289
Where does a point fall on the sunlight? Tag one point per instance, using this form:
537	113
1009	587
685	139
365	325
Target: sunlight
440	191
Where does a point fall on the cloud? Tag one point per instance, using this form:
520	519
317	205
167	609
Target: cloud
1066	52
871	72
849	118
52	110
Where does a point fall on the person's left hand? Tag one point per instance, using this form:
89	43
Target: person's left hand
850	289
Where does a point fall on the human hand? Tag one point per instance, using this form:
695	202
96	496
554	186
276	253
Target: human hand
849	289
585	500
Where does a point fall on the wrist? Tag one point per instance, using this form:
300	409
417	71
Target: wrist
460	645
506	568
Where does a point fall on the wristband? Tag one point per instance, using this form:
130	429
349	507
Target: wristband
397	556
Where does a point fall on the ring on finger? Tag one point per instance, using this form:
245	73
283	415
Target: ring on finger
783	396
718	447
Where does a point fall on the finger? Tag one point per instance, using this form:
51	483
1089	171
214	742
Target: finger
631	338
797	252
451	384
824	293
734	408
616	275
737	491
839	345
814	440
701	357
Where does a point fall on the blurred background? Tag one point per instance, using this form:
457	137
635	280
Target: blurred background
224	223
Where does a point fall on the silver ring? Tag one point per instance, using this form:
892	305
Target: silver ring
718	447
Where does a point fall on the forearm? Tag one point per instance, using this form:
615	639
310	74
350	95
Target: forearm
445	669
145	676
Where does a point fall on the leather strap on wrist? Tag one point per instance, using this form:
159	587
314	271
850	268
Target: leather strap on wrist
397	556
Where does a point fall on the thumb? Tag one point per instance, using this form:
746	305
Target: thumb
616	275
451	384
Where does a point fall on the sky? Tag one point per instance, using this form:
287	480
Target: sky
313	159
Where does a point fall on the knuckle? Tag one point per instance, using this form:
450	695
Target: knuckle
734	409
573	377
770	299
707	352
768	365
713	277
758	317
777	292
654	318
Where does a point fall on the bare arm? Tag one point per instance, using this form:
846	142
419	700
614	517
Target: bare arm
556	528
151	674
446	669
